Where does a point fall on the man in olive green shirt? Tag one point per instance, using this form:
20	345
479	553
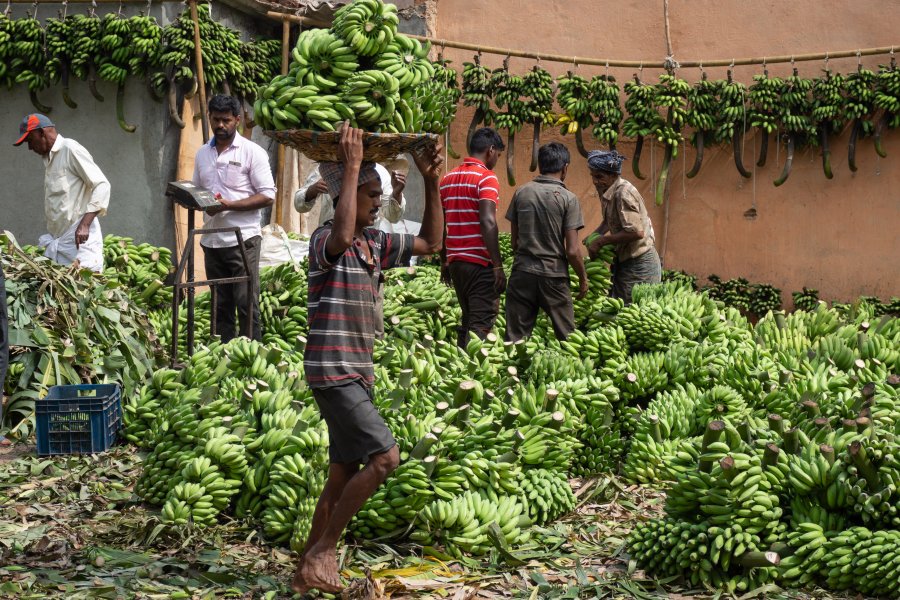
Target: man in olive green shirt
544	218
626	225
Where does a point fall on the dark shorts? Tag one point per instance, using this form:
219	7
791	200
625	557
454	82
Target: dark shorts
355	429
526	293
478	299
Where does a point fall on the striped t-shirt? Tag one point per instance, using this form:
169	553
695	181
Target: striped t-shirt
341	305
461	191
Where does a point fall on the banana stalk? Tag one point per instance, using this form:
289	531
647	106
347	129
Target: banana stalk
64	76
789	161
535	145
453	153
173	105
826	152
511	157
664	170
32	95
736	142
879	131
477	118
154	92
698	159
851	146
764	149
92	83
120	110
579	142
636	163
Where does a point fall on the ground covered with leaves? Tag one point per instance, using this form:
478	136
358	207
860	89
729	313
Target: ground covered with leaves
70	527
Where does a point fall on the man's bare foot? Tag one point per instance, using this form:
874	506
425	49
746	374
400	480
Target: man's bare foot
319	571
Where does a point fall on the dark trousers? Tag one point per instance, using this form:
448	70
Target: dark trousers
4	341
226	262
480	303
526	293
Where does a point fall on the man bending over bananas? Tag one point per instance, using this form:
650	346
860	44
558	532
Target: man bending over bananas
346	257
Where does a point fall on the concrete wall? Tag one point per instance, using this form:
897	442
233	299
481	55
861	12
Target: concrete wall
138	165
839	236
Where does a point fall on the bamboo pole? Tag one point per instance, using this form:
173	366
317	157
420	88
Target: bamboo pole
201	80
285	63
604	62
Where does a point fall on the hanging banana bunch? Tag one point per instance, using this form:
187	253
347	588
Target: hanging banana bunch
828	112
795	106
28	58
671	94
537	88
59	55
643	118
887	98
573	96
606	109
764	109
7	32
860	106
703	99
113	64
439	99
85	30
477	92
732	120
146	41
508	92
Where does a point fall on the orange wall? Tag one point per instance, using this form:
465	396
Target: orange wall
840	236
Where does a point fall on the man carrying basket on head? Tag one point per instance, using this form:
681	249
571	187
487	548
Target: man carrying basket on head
346	257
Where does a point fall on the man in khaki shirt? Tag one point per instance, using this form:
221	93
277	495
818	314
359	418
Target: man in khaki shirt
76	192
625	225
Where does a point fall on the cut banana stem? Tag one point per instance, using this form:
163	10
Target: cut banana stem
879	131
535	146
770	455
477	118
32	95
752	560
171	94
698	159
65	88
120	110
511	157
579	143
450	151
636	161
764	148
826	152
736	142
788	162
664	175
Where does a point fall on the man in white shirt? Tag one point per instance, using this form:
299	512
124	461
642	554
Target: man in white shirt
238	172
393	202
75	193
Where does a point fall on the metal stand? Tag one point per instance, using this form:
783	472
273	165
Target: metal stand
186	264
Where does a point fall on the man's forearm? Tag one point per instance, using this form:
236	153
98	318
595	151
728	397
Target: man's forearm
432	218
88	218
623	237
577	264
254	202
491	240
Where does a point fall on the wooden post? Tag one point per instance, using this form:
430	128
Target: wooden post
277	217
201	80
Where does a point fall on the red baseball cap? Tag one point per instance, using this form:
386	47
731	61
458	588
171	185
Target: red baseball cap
30	123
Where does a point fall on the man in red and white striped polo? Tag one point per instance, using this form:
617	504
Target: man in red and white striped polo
471	254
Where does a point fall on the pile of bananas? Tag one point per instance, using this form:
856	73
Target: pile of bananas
139	267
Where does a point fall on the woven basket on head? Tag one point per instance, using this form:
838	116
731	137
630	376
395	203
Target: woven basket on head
322	146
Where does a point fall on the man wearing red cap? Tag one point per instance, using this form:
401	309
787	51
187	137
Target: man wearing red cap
75	193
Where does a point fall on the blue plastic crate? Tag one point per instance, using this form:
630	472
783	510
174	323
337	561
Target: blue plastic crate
78	419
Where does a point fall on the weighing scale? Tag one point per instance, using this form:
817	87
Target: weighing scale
195	198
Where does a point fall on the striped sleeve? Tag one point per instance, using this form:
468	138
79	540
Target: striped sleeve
489	188
317	248
397	250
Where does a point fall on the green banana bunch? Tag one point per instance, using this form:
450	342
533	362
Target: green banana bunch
368	26
574	96
407	60
7	36
863	560
887	98
606	109
372	96
764	102
795	104
140	268
27	54
477	92
548	494
322	60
